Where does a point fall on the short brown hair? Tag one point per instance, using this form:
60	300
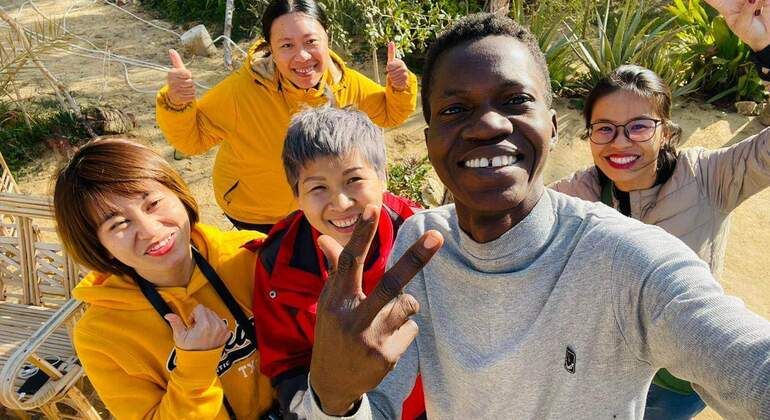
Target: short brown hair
99	169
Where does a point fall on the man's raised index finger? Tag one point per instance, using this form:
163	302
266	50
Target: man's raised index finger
394	280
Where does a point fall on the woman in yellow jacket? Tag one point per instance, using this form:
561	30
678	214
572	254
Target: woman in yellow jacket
168	329
249	111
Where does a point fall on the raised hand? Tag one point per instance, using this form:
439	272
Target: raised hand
207	330
398	74
748	19
181	89
358	338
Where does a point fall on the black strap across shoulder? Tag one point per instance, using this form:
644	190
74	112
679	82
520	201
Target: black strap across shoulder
151	293
225	295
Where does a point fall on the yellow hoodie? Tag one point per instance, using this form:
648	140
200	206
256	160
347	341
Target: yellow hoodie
128	351
249	113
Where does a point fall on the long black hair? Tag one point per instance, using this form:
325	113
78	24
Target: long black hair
645	83
278	8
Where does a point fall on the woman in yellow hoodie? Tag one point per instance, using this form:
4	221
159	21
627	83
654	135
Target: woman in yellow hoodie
249	111
168	329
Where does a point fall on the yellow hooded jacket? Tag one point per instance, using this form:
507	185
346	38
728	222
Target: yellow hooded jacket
128	351
249	113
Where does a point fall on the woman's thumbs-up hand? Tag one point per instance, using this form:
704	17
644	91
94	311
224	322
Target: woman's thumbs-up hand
398	74
181	89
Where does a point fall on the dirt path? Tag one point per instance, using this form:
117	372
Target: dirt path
92	81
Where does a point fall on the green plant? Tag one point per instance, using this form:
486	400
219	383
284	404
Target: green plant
21	143
544	22
411	24
212	14
407	178
717	55
631	36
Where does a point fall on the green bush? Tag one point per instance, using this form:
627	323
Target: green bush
408	177
718	58
21	144
545	23
412	25
630	34
211	13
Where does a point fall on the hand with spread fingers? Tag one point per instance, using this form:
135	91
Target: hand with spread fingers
398	74
181	88
207	330
358	338
748	19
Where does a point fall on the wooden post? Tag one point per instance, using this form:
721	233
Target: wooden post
229	8
499	7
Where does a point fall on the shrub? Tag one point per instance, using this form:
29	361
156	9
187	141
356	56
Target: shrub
211	13
407	178
632	35
717	55
545	22
21	144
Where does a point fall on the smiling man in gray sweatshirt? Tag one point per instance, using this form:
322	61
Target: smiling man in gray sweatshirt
537	305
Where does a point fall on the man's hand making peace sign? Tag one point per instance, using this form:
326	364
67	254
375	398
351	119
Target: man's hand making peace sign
358	338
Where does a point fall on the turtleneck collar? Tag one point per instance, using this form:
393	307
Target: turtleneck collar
519	246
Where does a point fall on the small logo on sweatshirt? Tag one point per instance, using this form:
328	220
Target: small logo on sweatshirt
237	348
570	359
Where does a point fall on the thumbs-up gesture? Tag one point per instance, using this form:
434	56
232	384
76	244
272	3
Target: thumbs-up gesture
181	89
748	19
398	74
207	330
358	338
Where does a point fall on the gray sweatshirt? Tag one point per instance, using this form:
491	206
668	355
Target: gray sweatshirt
568	315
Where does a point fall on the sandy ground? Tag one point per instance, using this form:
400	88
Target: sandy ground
95	81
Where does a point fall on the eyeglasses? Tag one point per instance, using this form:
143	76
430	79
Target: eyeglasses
638	130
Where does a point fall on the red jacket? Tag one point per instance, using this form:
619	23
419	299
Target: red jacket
290	273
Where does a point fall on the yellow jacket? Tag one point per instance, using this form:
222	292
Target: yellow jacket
128	351
249	113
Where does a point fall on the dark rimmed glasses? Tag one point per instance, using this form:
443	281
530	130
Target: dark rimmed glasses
638	130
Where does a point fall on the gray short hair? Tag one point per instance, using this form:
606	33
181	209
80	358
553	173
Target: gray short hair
331	132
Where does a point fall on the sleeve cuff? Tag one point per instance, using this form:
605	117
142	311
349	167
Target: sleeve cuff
362	412
411	86
163	102
197	367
